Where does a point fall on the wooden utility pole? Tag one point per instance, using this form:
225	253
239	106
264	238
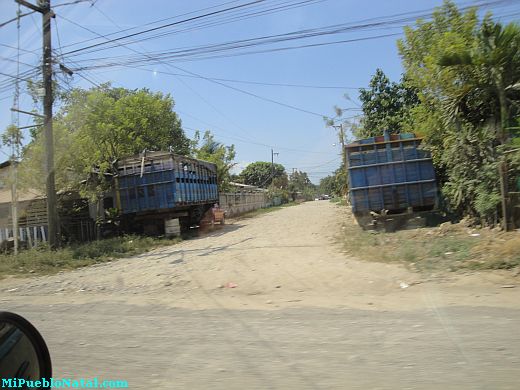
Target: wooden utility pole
44	8
272	164
341	136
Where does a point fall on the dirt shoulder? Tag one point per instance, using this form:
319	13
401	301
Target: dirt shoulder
288	258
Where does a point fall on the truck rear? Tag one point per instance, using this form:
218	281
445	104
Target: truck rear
156	189
390	177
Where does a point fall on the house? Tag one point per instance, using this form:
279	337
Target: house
76	222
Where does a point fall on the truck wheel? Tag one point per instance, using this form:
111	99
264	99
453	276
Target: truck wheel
184	222
196	215
364	220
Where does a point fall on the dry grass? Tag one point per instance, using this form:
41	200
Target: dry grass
44	261
449	247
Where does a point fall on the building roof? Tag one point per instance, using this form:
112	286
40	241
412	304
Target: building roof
23	195
5	195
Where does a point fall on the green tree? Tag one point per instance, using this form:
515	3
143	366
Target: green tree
327	185
263	174
97	127
386	105
299	182
493	62
335	184
68	169
12	137
209	149
466	73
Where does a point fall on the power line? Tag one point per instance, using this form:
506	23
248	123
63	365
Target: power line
123	45
226	17
14	77
15	19
153	22
24	50
200	76
58	36
166	25
75	2
234	18
366	24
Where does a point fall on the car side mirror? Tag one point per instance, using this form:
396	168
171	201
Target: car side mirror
24	356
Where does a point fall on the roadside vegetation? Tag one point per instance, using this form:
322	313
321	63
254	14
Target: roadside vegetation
339	200
43	261
460	91
448	247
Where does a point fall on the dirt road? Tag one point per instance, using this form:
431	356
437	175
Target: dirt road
271	303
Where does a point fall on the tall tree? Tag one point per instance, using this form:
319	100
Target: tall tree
209	149
466	72
335	184
494	63
259	174
97	127
386	105
298	181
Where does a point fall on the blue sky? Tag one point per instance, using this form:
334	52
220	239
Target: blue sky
252	124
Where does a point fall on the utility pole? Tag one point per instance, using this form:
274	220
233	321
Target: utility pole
341	136
272	163
44	8
16	145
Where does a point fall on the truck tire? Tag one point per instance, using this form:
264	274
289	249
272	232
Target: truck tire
364	220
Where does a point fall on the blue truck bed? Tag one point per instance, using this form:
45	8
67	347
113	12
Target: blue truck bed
391	174
164	181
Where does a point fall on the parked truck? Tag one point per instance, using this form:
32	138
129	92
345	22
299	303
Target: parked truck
160	190
391	180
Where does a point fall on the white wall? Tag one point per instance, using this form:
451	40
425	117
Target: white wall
239	203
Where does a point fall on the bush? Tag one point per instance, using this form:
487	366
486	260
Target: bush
486	205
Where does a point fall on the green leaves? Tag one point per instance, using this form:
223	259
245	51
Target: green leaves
97	127
386	105
464	71
259	174
208	149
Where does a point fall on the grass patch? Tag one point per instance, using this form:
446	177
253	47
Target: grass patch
265	210
339	200
43	261
451	247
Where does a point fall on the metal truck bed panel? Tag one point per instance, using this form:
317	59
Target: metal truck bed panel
166	181
390	173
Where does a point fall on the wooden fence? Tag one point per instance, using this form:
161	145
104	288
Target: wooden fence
32	235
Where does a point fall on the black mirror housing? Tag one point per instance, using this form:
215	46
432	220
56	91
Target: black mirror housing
24	356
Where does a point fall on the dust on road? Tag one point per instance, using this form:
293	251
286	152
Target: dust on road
273	302
287	258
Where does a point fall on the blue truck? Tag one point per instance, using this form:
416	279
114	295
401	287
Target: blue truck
158	187
390	176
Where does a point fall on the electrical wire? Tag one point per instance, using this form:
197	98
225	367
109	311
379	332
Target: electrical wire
212	81
397	19
200	22
15	19
153	22
165	26
74	3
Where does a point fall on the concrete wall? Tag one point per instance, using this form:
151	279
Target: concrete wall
239	203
